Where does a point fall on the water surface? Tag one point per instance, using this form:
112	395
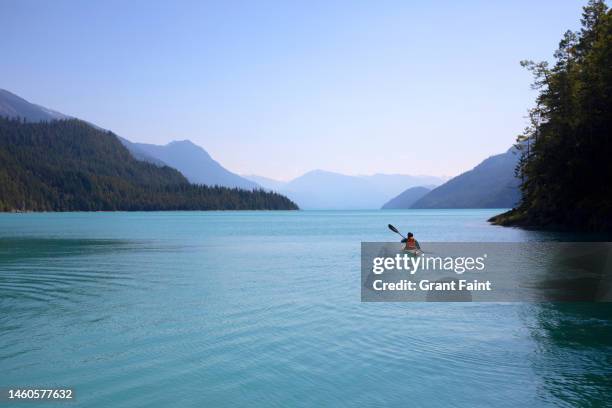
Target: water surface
263	309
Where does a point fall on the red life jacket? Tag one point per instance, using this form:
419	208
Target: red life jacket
411	243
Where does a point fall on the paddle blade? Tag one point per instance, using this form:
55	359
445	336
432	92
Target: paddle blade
392	228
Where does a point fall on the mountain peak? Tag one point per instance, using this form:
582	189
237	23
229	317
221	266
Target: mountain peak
318	172
186	142
196	164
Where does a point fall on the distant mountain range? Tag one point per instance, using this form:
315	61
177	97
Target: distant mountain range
191	160
406	199
319	189
491	184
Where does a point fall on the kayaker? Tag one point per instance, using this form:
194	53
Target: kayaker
411	242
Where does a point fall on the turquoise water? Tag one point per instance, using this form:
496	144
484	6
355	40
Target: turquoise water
263	309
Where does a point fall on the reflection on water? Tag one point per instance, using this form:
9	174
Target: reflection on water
576	272
574	351
20	249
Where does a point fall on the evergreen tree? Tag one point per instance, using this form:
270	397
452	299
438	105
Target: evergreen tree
68	165
566	164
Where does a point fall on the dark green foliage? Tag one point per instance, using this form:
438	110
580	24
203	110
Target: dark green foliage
68	165
566	169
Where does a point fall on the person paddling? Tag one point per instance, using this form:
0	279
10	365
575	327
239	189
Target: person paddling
411	242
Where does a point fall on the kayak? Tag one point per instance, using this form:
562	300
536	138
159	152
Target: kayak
412	252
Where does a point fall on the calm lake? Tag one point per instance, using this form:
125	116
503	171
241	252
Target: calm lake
263	309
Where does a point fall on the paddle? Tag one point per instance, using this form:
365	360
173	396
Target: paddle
392	228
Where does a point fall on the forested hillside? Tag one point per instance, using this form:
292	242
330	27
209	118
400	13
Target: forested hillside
566	163
68	165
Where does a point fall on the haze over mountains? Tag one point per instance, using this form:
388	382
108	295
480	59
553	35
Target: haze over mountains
319	189
265	182
406	199
491	184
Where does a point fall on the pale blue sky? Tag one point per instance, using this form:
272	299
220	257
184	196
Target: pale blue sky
280	88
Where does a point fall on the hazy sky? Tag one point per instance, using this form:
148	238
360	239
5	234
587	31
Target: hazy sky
280	88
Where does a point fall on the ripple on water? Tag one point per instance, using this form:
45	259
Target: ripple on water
263	309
